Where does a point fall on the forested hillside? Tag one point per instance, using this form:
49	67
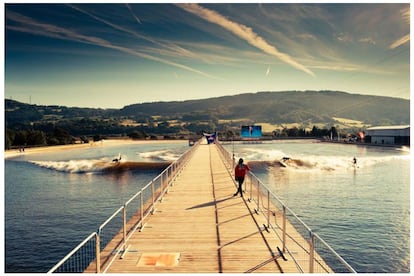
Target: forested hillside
285	107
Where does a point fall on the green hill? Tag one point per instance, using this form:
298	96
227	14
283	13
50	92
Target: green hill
284	107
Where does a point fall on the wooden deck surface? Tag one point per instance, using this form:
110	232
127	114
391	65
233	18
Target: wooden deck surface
201	227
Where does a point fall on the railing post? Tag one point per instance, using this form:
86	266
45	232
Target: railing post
258	196
141	210
311	251
251	187
284	228
124	214
168	173
268	208
153	197
98	252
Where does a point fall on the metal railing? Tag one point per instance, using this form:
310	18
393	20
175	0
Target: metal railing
97	252
309	251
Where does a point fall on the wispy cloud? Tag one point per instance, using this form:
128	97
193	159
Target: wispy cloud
28	25
400	42
405	14
367	40
244	32
268	71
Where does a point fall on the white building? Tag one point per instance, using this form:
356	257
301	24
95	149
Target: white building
388	135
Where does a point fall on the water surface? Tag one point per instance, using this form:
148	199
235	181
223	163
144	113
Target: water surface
55	200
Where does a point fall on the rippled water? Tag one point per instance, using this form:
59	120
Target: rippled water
54	200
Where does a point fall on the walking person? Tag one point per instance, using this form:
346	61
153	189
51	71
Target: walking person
239	174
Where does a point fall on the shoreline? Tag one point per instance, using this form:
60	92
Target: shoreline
108	142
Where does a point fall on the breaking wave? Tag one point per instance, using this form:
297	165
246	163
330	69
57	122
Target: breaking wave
258	158
161	155
76	166
99	165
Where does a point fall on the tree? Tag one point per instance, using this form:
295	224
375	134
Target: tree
137	135
10	134
20	138
62	136
35	137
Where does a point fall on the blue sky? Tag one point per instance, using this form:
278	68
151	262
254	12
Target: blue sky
112	55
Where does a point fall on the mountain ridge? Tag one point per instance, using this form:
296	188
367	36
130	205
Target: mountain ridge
288	107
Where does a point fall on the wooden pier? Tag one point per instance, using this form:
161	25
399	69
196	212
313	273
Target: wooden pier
201	227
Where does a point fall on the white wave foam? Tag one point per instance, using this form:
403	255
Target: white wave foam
262	154
162	155
315	162
76	166
331	163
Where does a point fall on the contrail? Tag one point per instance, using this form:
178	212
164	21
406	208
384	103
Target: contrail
244	32
116	27
175	49
133	14
29	25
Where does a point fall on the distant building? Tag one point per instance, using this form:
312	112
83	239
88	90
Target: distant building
388	135
251	132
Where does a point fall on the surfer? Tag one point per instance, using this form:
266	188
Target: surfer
239	174
283	162
354	161
117	160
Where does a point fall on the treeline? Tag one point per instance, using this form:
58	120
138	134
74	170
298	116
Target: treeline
84	130
30	138
295	132
63	136
301	132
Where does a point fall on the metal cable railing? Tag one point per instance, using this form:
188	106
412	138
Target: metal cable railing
309	251
97	252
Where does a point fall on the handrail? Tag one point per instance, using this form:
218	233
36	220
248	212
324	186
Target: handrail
264	193
110	218
348	266
164	180
71	253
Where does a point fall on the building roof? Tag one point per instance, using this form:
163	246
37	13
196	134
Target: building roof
389	127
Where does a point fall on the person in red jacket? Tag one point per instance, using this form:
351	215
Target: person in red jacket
239	174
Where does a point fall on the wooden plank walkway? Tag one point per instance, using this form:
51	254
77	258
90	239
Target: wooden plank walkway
201	227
